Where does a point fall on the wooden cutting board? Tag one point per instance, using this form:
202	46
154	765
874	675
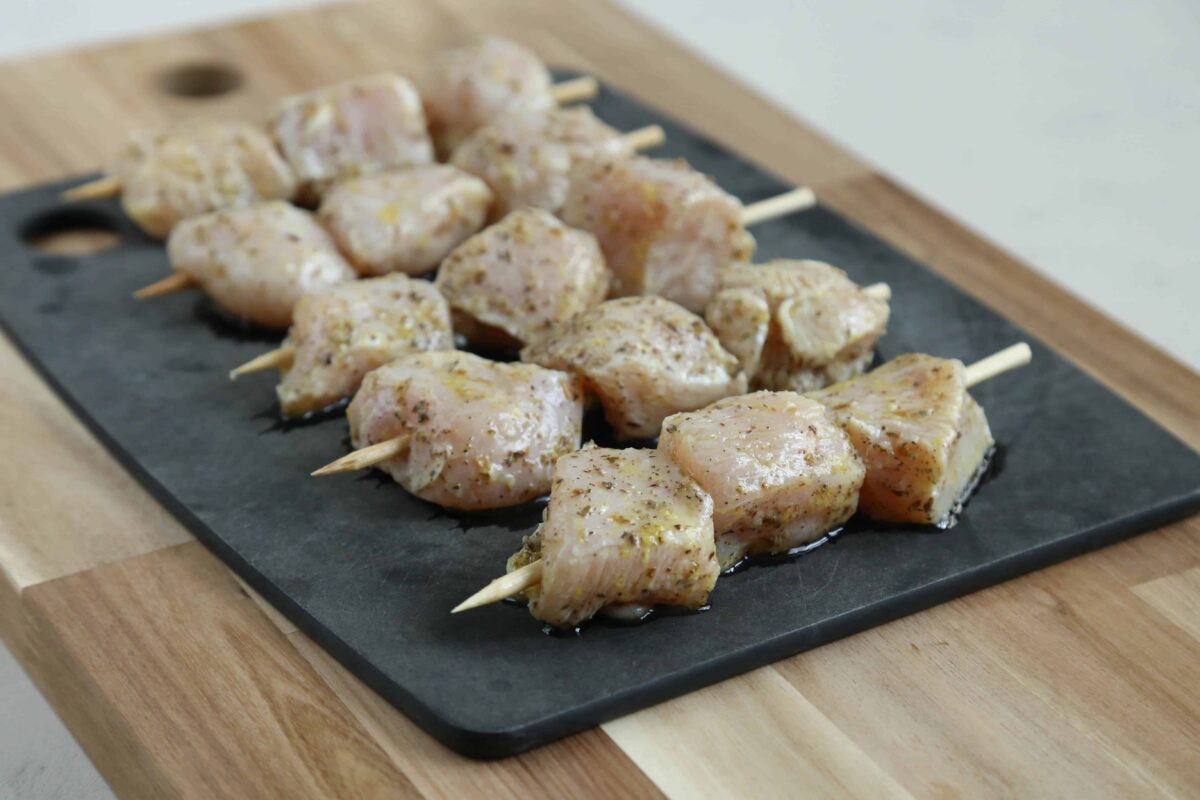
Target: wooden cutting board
1078	680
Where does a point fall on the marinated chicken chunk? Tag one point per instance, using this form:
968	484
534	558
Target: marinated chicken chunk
624	530
351	129
665	228
405	220
514	281
257	262
169	176
779	469
798	325
527	157
481	434
921	436
469	86
340	334
645	358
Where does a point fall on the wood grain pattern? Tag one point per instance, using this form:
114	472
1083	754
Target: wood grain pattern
1079	680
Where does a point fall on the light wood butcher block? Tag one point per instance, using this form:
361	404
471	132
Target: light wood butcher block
1082	680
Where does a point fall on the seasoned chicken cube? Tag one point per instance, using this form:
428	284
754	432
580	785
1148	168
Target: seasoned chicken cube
481	434
340	334
513	282
257	262
798	325
405	220
469	86
171	175
923	438
645	357
351	129
780	471
527	157
665	228
625	530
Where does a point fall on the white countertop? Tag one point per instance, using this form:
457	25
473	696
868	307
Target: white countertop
1065	131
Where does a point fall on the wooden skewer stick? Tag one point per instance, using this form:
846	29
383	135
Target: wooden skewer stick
778	206
507	585
645	138
279	358
175	282
365	457
530	575
1018	355
880	291
574	90
104	186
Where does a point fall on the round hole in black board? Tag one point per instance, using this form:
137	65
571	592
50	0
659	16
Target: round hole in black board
200	79
71	231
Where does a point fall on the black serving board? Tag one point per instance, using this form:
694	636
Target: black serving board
371	573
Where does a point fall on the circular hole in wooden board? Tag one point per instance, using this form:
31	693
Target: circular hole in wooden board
200	79
70	232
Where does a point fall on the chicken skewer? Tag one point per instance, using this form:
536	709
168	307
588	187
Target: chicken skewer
780	205
526	576
406	220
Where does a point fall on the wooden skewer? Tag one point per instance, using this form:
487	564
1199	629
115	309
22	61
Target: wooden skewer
574	90
104	186
645	138
365	457
279	358
778	206
507	585
175	282
880	291
530	575
1018	355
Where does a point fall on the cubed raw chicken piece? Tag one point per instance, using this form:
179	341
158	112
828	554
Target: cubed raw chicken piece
798	325
514	281
405	220
665	228
351	129
467	87
257	262
625	530
482	434
169	176
780	471
340	334
645	358
923	438
527	157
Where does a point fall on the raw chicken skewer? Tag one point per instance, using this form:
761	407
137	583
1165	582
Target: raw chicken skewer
464	432
527	576
404	220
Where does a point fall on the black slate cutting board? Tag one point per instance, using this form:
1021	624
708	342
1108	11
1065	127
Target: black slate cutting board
371	573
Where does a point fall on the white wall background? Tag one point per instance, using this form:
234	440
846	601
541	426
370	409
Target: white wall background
1065	130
